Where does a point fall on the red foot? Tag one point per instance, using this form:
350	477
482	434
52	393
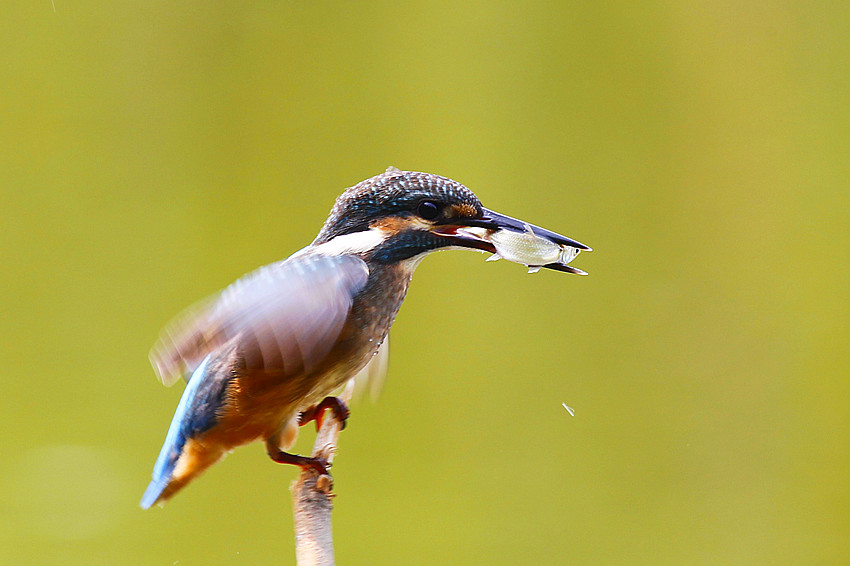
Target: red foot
317	412
305	462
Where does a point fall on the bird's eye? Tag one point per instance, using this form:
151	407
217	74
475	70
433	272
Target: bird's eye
429	210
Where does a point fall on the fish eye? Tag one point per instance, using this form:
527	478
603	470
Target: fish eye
428	209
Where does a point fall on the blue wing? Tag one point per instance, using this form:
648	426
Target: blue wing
283	316
281	309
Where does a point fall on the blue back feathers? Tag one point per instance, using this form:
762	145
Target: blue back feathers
181	429
284	317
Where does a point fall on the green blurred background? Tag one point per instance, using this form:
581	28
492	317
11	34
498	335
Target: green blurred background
153	152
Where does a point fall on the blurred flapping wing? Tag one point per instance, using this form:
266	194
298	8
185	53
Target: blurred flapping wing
286	315
373	375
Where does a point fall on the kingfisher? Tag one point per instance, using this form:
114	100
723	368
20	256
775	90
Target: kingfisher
264	356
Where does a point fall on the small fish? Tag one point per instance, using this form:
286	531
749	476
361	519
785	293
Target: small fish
531	250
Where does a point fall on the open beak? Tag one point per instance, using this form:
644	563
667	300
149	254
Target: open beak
496	221
488	231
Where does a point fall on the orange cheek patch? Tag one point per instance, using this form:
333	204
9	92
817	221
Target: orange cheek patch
464	210
396	224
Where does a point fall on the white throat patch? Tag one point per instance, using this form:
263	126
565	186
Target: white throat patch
354	243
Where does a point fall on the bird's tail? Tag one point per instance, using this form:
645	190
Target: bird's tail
181	458
163	471
153	492
192	462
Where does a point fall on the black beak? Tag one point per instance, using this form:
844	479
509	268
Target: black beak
493	221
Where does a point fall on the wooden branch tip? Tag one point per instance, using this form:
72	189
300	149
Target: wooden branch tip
312	497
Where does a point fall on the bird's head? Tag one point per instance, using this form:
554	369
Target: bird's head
400	215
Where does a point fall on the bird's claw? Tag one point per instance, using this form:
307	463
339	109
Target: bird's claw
319	465
317	412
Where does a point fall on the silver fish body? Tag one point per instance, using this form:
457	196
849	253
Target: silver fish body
529	249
